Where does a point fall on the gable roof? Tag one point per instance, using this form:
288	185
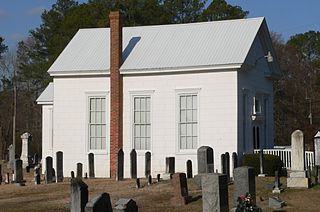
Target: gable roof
46	96
205	45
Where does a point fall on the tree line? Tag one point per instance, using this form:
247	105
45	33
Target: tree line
27	66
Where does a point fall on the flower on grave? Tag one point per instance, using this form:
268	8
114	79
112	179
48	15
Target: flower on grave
245	204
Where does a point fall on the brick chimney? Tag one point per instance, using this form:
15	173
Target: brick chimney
116	90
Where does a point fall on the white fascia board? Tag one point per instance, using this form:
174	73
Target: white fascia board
79	73
45	103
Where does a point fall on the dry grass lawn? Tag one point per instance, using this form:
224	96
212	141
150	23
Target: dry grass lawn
56	197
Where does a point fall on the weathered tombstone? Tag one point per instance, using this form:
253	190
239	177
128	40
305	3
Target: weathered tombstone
234	163
12	157
158	178
297	177
37	176
101	203
120	165
49	170
79	170
276	189
180	189
28	169
72	174
149	180
79	195
19	172
59	165
7	181
170	165
276	202
25	151
133	164
147	164
35	159
261	163
189	169
138	183
54	178
223	164
85	175
215	192
244	182
91	165
205	163
126	205
227	165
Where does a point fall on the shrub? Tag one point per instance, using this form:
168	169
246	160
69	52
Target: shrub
271	163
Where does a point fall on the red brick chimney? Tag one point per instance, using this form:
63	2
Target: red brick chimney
116	90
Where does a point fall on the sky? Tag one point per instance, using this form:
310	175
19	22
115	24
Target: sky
287	17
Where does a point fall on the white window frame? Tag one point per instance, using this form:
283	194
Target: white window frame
257	109
98	94
133	95
182	92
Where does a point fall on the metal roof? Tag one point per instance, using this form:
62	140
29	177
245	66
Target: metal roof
162	47
46	96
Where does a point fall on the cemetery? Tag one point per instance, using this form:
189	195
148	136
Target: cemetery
232	188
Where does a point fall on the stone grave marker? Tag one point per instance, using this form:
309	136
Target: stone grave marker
126	205
35	159
12	157
170	165
138	183
276	202
120	165
147	164
19	172
276	189
91	165
215	192
59	166
244	181
149	180
25	151
180	189
133	164
79	170
37	176
49	170
223	164
79	195
101	203
261	161
72	174
297	177
189	169
205	163
227	165
158	178
85	175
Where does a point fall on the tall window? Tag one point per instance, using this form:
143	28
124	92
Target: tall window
97	123
188	121
142	123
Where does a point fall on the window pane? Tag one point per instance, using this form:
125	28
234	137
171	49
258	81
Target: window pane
143	117
194	129
98	141
103	143
183	130
103	104
143	131
148	118
189	102
137	143
92	117
189	115
92	131
148	130
189	129
143	104
183	115
194	115
98	104
103	117
103	129
183	144
189	142
183	102
194	102
148	104
92	143
92	104
137	131
98	117
136	117
98	130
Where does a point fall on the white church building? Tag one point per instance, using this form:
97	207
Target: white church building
165	89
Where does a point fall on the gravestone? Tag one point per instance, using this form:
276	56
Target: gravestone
205	163
261	163
37	176
35	159
54	178
189	169
25	151
276	203
28	169
59	165
72	174
79	195
133	164
276	189
170	165
235	160
101	203
12	157
138	183
120	165
227	165
7	180
149	180
223	164
244	181
297	177
49	170
79	170
91	165
158	178
147	164
180	189
215	192
85	175
19	172
126	205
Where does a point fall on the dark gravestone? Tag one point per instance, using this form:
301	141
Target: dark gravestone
180	189
244	182
35	159
147	164
54	178
138	183
126	205
91	165
72	174
49	170
133	164
261	163
79	195
205	160
158	178
215	192
28	169
59	166
18	172
120	165
86	175
101	203
189	169
37	176
79	170
170	165
235	160
227	165
223	164
149	180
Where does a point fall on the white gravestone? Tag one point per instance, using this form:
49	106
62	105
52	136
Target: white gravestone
297	175
25	137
